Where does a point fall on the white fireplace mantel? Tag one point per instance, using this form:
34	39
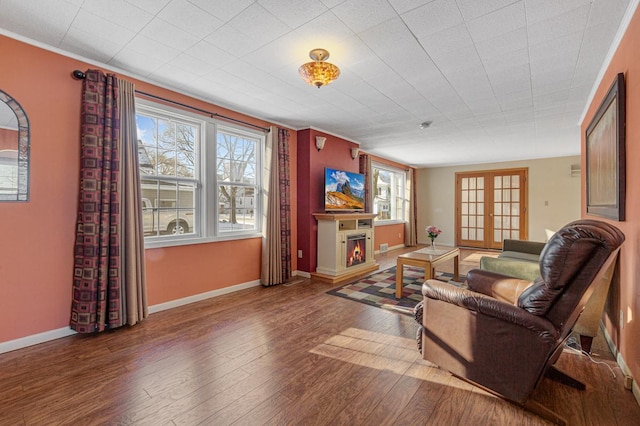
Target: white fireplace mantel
333	232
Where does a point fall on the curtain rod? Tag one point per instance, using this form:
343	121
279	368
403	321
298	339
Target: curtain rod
79	75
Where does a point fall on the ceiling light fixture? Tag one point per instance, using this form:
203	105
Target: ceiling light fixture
319	73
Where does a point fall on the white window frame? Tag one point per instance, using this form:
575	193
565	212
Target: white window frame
400	198
206	226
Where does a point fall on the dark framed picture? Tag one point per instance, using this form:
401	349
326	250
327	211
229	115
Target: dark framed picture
605	155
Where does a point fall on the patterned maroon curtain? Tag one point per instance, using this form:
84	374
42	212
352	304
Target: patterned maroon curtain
97	298
285	202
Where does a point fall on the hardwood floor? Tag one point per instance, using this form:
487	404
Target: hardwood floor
278	356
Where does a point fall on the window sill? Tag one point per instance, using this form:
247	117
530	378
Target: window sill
388	222
163	242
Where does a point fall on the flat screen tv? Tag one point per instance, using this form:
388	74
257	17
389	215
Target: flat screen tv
343	191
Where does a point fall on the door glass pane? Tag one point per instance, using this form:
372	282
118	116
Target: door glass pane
503	215
515	235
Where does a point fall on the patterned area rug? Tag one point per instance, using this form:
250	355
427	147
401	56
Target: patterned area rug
379	289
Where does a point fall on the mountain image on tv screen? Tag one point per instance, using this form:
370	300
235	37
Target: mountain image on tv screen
343	190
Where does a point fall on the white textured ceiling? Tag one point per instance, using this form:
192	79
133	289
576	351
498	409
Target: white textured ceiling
500	79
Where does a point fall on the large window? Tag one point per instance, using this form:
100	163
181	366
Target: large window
388	193
200	179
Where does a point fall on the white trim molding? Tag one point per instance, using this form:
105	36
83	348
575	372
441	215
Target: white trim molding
635	389
301	274
396	247
35	339
202	296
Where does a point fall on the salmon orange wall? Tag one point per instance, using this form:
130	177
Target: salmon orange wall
625	293
36	244
389	234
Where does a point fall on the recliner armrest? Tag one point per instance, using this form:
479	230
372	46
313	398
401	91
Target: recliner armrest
489	306
532	247
499	286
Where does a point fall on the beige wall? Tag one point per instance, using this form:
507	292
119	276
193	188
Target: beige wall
549	182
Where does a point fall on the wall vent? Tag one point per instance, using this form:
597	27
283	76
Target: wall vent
384	247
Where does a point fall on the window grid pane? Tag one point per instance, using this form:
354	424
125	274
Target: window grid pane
167	207
236	208
389	194
237	174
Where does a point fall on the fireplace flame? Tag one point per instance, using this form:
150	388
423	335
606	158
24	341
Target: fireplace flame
357	254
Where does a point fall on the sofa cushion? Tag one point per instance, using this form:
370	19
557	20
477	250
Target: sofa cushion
522	269
517	255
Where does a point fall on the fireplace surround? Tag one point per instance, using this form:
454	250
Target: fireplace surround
345	246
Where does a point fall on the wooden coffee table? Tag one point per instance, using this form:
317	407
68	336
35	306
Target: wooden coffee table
428	259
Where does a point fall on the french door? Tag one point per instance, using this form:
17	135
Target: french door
491	206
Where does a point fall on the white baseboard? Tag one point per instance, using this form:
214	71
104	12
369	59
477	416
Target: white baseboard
202	296
301	274
635	389
35	339
399	246
46	336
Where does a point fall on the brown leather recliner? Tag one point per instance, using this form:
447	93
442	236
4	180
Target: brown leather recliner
504	334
